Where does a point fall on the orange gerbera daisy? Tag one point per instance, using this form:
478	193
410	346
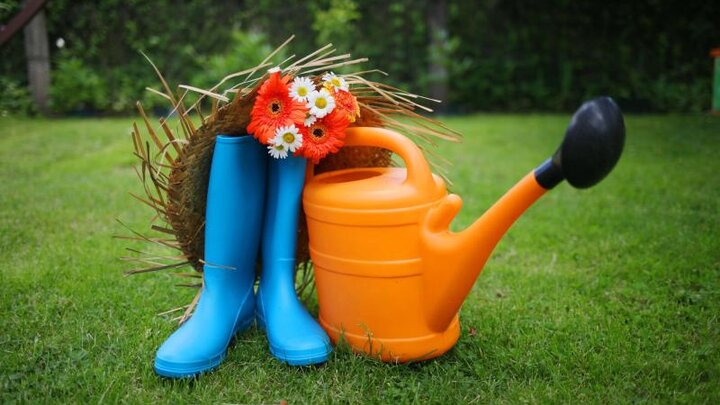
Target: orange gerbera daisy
345	101
274	108
325	135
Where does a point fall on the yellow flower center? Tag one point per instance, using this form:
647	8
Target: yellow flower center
336	82
321	102
288	137
302	92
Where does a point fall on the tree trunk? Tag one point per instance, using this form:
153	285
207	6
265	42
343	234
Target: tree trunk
38	60
438	57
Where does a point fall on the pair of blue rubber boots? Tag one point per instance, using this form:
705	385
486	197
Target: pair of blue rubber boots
253	204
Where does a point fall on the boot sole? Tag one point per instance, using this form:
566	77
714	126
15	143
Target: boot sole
300	360
176	370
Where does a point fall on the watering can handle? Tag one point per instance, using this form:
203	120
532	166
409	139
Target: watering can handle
418	170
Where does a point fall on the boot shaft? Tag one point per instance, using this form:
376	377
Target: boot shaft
286	178
236	192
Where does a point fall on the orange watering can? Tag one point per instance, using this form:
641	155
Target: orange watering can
390	275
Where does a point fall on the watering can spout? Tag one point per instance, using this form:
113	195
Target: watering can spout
452	261
455	260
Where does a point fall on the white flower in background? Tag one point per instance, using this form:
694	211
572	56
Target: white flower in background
301	88
289	137
320	103
60	43
277	151
333	80
310	119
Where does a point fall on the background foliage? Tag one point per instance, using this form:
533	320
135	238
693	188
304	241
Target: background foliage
505	55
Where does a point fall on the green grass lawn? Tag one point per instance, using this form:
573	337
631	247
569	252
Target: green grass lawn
606	295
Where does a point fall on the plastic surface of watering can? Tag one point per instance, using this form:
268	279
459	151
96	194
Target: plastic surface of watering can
365	227
390	275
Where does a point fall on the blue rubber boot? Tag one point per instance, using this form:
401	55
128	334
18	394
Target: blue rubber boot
293	335
236	192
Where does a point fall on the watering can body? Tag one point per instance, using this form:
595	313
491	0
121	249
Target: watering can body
365	229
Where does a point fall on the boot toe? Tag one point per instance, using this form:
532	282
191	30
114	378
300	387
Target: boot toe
302	350
179	358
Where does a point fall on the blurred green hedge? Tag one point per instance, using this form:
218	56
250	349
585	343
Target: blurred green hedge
507	55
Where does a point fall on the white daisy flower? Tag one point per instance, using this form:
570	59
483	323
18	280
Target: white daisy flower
310	119
320	103
333	80
278	151
289	137
301	88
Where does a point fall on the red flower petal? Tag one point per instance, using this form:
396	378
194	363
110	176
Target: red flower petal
345	101
324	136
274	108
